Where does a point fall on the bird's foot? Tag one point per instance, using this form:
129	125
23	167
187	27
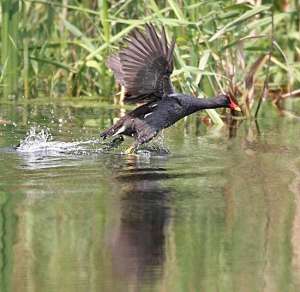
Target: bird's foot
130	150
116	142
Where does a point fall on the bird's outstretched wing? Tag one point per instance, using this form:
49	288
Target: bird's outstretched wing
144	66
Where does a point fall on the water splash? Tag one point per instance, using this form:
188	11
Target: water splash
40	141
34	139
154	147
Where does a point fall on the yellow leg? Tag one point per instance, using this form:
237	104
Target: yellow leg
130	150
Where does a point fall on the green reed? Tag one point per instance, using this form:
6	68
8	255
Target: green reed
9	46
221	46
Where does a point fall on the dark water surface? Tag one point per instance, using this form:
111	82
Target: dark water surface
221	212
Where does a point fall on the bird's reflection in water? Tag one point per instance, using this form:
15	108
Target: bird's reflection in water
138	245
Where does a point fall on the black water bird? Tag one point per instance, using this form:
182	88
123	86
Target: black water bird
144	67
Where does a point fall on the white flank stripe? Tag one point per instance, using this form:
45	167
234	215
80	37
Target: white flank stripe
121	130
146	115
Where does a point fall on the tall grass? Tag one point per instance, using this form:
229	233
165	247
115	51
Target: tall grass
9	46
221	46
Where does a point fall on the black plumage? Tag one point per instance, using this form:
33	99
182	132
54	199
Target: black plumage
144	68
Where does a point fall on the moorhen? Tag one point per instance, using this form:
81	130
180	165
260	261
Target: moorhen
144	67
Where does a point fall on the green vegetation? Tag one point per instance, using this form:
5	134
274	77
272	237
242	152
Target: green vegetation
9	46
59	48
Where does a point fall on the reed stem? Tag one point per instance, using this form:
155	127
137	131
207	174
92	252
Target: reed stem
9	49
25	52
105	20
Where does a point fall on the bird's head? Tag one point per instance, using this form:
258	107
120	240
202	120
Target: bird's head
231	102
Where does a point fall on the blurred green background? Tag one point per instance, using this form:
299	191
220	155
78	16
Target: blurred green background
59	48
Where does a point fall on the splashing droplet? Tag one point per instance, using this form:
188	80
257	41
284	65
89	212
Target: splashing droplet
34	137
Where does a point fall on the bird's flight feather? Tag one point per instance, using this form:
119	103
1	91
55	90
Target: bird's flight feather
144	66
